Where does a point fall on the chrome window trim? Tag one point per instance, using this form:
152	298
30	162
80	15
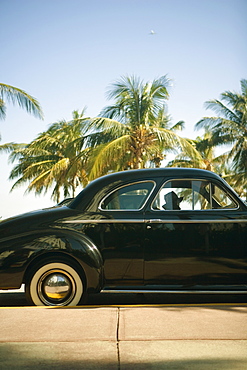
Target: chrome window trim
194	210
129	209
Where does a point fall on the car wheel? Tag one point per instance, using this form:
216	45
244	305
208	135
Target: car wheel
54	284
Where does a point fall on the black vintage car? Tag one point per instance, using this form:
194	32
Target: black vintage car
152	230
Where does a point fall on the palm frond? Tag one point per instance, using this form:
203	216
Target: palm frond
24	100
107	155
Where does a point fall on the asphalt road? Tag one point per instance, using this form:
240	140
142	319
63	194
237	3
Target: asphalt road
125	332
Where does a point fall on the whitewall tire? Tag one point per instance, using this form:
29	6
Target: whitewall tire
54	284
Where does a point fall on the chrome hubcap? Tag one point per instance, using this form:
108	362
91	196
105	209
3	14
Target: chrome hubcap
56	287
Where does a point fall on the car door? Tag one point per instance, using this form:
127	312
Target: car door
119	232
196	238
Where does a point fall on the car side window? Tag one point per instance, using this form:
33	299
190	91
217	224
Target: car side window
129	197
192	195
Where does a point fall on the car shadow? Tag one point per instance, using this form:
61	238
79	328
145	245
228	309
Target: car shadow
17	299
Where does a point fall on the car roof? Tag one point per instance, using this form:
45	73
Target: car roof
123	177
158	172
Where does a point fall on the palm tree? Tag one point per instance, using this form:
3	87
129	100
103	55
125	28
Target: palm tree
164	121
14	95
230	127
134	131
208	161
55	159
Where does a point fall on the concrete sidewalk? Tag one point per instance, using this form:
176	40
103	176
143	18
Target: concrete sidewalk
160	337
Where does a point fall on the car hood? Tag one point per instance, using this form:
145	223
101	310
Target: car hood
40	219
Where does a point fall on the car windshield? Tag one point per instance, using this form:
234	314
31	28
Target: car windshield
65	202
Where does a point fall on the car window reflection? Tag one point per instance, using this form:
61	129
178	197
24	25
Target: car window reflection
129	197
192	195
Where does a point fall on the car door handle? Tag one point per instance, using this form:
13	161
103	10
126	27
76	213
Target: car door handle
154	220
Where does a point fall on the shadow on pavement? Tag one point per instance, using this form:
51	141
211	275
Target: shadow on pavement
17	299
43	356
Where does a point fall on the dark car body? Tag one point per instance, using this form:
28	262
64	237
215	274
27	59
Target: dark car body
117	236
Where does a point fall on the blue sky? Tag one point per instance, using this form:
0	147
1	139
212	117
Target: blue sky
66	53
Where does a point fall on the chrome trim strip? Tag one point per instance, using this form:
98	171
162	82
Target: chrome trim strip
110	221
175	291
196	221
155	221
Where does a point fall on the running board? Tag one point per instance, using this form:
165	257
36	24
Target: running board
174	291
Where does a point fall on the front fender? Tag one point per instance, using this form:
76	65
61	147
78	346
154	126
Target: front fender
21	253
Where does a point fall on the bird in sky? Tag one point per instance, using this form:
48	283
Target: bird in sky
152	32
